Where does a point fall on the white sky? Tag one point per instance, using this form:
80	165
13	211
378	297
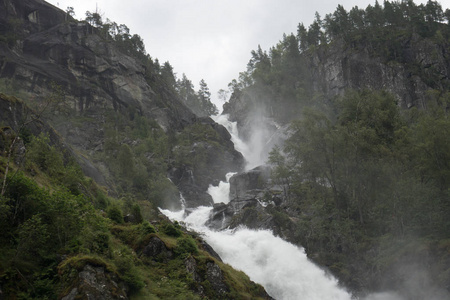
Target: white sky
211	39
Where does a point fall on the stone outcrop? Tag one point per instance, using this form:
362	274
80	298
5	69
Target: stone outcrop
93	72
253	199
157	249
213	274
335	69
219	158
250	184
95	283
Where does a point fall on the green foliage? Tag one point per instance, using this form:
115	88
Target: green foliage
163	193
33	237
136	213
364	172
147	228
199	102
45	156
129	273
138	168
115	214
171	230
80	261
186	245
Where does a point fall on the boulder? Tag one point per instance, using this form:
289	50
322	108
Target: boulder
215	277
250	184
156	248
95	283
212	273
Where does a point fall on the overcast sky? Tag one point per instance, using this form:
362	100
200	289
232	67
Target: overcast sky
211	39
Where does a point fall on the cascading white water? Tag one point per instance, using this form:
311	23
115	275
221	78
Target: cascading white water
282	268
253	151
221	193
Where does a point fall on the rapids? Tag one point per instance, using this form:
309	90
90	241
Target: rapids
282	268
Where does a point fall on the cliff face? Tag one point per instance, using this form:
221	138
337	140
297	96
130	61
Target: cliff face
337	68
416	66
46	56
94	74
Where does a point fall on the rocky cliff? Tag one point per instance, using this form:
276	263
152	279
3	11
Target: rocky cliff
424	65
89	83
417	66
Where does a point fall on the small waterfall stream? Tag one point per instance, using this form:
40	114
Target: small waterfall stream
282	268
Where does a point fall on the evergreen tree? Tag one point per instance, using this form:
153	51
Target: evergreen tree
207	108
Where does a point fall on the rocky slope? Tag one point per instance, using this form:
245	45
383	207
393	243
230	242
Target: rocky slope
46	56
65	85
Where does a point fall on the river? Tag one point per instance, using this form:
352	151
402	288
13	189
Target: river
282	268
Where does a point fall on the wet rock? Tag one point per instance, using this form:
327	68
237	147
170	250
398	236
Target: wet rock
250	184
210	250
213	274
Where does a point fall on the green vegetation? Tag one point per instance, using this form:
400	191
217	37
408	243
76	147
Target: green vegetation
56	224
366	182
371	182
199	102
281	79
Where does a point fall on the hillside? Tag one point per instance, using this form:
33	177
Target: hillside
91	128
362	180
96	135
106	97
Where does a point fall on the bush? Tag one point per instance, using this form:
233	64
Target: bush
147	228
171	230
115	214
186	245
136	212
128	272
46	157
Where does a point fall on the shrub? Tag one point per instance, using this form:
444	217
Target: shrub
147	228
136	212
171	230
115	214
186	245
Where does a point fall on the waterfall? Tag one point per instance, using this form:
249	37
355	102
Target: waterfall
221	193
282	268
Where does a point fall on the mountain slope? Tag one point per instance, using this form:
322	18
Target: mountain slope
100	86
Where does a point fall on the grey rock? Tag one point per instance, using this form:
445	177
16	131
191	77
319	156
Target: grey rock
215	277
210	250
97	78
191	268
156	248
249	184
94	283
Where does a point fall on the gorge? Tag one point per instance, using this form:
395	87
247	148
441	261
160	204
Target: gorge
282	268
326	177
